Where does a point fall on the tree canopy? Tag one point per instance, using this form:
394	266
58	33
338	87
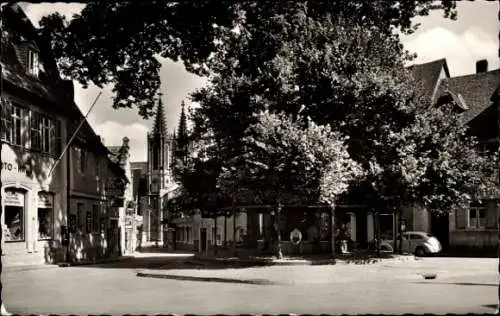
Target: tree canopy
119	43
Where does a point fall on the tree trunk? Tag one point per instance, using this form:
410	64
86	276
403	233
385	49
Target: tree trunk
279	252
225	230
332	230
215	236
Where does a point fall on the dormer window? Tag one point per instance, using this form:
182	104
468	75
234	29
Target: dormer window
33	66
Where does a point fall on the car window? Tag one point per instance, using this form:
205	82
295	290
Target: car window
416	237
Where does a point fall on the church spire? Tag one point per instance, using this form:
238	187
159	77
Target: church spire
160	125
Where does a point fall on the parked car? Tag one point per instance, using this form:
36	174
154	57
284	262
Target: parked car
418	243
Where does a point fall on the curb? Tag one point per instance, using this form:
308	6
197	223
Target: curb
87	263
206	279
271	262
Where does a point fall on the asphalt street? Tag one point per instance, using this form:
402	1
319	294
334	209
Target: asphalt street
114	288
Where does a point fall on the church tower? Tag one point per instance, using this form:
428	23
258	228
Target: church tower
158	172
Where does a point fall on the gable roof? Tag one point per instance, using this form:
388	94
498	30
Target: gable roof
477	90
17	31
428	74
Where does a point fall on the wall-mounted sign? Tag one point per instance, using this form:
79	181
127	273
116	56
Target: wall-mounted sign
15	167
14	198
45	200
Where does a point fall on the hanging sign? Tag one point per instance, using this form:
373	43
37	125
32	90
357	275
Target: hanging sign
14	198
45	200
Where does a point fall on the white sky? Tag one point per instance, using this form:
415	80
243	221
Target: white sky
472	37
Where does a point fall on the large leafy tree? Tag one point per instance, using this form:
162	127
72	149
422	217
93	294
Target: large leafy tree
118	43
283	162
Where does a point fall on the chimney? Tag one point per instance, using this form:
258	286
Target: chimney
481	66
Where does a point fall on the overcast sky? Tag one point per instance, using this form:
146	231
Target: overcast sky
472	37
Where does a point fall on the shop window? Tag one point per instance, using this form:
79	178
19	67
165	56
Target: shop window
45	215
14	215
79	217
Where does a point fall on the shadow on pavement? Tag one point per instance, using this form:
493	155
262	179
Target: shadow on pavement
166	261
458	283
206	279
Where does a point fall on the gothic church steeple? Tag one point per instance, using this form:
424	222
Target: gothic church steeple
160	125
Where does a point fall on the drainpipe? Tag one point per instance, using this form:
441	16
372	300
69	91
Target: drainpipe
68	204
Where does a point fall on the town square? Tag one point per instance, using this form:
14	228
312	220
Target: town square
254	157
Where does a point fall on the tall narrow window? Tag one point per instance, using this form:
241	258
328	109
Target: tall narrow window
33	67
36	131
58	145
83	161
79	217
46	134
156	157
6	120
45	215
17	125
95	218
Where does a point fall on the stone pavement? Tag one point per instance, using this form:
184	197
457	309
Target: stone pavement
389	269
113	288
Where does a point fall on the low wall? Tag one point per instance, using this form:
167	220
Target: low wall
474	240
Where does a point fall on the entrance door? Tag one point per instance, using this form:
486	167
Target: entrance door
114	239
440	228
203	239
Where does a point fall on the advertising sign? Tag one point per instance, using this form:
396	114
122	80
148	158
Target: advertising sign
14	198
45	200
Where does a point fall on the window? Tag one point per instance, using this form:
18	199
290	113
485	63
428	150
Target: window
6	121
81	160
45	211
57	138
48	135
17	126
97	167
89	222
156	157
14	215
79	217
477	217
33	67
36	130
95	218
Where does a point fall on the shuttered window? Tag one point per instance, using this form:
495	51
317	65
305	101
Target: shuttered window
461	218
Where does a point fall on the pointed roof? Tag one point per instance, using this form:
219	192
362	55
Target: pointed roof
160	125
428	74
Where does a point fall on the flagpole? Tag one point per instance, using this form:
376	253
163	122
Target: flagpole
74	134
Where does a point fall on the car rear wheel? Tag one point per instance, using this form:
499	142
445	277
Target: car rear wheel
420	252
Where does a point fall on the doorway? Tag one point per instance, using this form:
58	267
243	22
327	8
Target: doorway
440	228
203	239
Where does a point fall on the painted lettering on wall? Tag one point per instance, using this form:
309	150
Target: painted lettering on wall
13	167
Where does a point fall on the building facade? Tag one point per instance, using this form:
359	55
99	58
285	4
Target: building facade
97	187
56	205
34	116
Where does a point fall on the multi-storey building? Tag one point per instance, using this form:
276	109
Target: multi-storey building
40	186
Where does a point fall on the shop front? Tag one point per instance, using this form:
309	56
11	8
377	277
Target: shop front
32	208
